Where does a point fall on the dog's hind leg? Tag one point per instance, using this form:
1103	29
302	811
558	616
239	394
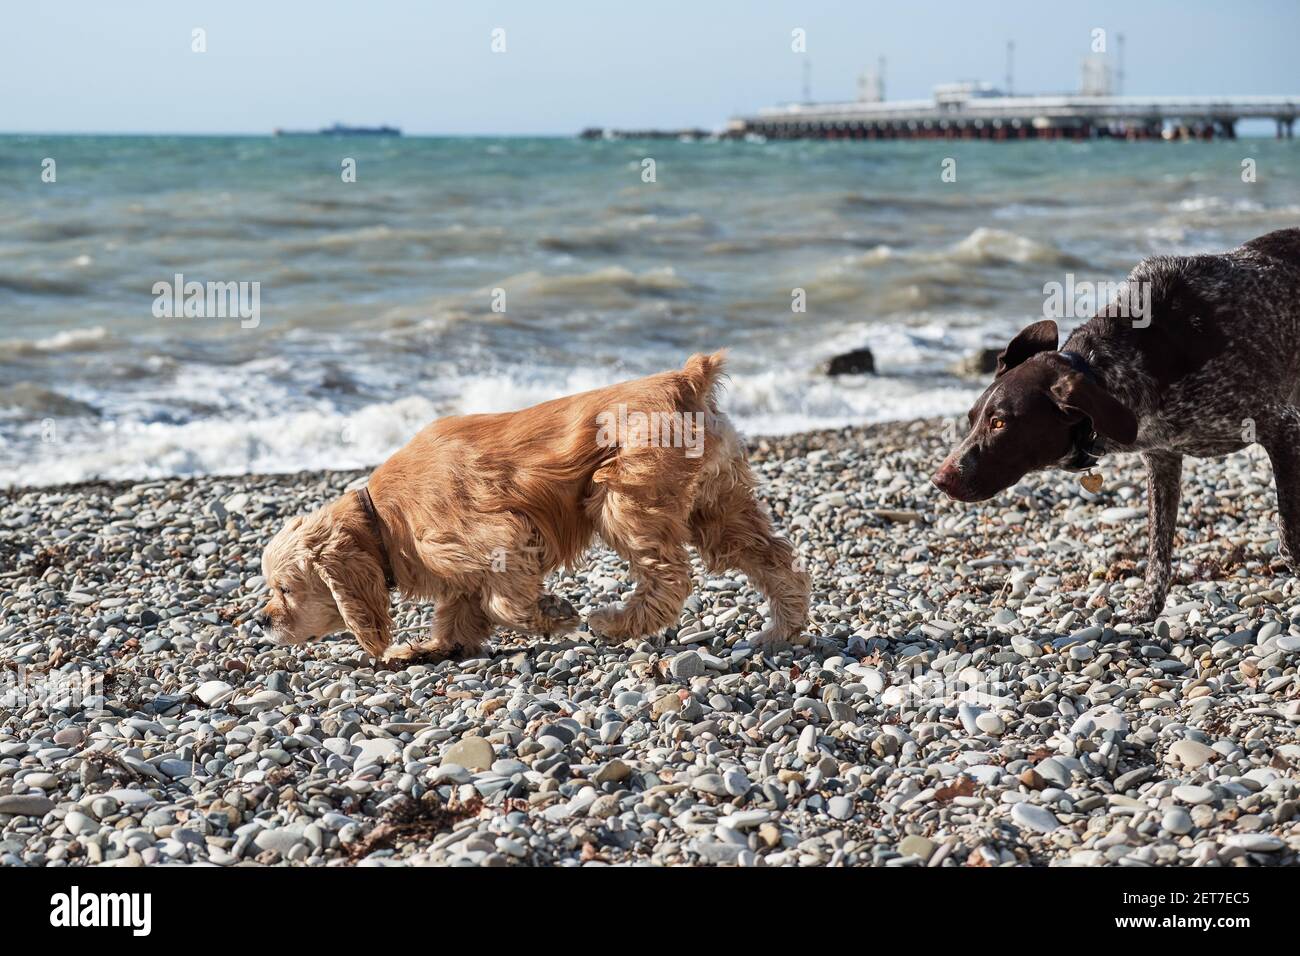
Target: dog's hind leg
460	628
733	531
1281	439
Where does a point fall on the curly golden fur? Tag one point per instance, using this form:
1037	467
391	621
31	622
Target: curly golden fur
476	510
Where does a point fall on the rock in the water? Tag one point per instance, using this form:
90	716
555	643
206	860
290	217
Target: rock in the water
980	362
856	362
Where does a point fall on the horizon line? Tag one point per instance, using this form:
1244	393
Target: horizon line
403	135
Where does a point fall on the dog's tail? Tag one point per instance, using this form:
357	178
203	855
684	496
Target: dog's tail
703	374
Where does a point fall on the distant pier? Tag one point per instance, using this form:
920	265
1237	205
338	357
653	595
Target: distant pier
967	111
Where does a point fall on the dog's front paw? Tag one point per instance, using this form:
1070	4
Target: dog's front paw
605	620
768	639
399	653
773	637
559	615
609	622
423	652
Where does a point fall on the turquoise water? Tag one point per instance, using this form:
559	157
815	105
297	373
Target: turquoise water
380	300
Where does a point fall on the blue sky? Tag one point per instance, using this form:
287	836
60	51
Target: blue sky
98	66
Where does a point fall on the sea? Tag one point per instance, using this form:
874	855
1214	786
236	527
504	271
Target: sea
390	281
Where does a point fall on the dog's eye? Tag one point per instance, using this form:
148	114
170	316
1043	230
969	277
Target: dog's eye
996	422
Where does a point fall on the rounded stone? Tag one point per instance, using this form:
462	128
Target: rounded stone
1193	794
686	665
1190	754
79	823
213	692
991	723
472	753
1033	817
613	771
917	846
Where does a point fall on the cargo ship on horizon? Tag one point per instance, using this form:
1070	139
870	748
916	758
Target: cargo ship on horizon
340	129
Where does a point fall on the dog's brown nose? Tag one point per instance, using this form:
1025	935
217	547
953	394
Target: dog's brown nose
947	480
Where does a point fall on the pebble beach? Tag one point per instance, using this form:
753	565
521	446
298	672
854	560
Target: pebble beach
970	694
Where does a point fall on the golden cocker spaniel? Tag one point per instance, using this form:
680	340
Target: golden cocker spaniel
476	510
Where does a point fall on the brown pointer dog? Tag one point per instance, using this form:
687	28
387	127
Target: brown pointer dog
1213	365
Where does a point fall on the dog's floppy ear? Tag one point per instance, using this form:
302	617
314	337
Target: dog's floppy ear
1075	394
356	580
1032	339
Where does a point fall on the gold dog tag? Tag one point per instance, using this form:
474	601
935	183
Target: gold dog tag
1091	481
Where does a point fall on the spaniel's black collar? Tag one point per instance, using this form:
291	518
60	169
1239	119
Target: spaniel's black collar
377	526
